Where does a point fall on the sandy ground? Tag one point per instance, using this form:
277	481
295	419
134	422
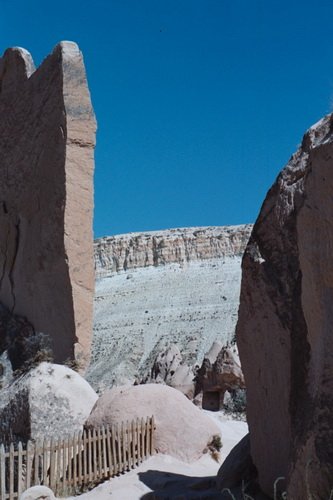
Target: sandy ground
166	477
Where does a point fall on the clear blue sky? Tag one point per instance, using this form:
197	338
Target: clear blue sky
199	103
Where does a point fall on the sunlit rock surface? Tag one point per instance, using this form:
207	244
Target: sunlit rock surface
47	137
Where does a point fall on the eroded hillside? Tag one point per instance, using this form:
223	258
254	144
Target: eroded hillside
177	286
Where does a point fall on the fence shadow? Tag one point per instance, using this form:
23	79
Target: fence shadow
168	486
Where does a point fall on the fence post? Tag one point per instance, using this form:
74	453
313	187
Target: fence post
2	472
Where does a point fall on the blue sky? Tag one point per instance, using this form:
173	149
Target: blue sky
199	103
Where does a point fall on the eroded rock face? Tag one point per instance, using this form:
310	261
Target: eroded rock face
180	246
47	137
284	331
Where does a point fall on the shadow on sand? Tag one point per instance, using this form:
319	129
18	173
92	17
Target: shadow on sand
170	486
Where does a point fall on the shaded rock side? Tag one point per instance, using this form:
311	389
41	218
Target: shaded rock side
47	137
284	331
180	245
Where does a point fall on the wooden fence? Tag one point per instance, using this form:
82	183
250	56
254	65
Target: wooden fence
69	465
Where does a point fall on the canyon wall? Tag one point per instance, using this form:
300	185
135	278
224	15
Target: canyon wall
47	138
173	246
284	331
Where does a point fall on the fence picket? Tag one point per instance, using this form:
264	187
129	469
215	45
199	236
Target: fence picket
29	459
76	460
69	461
114	450
143	439
52	463
151	435
132	444
75	456
79	450
147	437
45	457
84	456
120	467
109	445
94	453
19	468
2	472
138	440
90	465
104	467
11	470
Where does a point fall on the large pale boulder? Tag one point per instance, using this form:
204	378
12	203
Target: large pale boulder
47	137
182	430
49	401
284	331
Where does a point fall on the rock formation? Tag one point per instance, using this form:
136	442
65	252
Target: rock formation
38	493
284	331
187	295
179	246
47	137
182	430
169	369
50	401
220	372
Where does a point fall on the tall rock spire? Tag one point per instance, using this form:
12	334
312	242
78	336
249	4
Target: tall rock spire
47	139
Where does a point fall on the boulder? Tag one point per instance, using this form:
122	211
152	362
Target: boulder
38	493
238	466
50	401
182	430
47	137
284	330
